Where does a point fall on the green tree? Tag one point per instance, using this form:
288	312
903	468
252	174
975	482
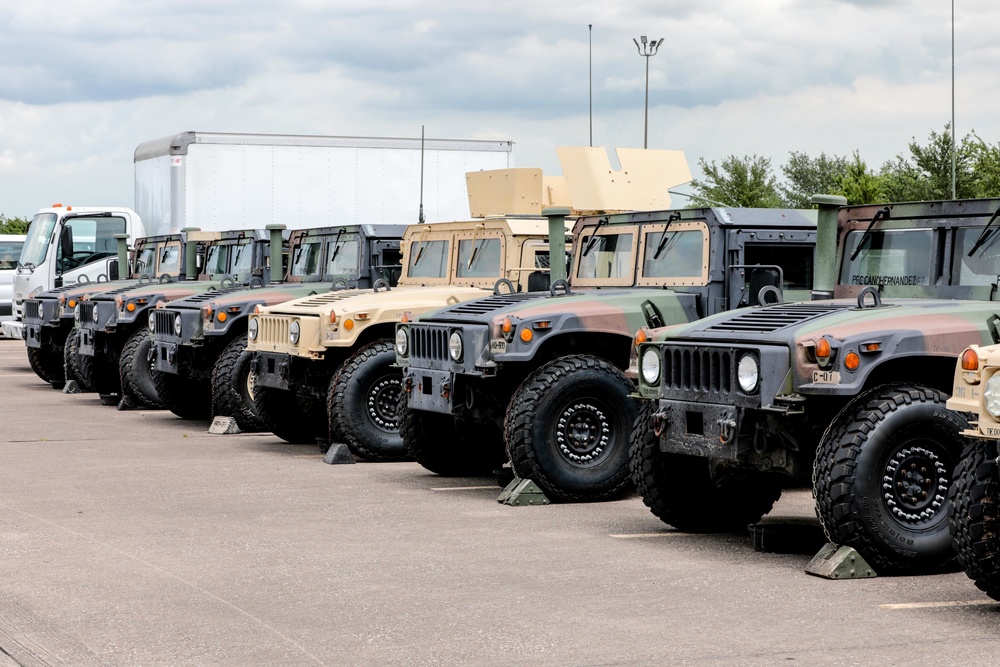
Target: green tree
808	176
925	174
13	225
985	167
860	184
739	181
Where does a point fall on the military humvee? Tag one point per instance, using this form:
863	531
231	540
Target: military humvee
846	394
52	340
114	326
975	490
201	365
540	378
323	364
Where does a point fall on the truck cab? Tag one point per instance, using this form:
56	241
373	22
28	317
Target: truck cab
65	245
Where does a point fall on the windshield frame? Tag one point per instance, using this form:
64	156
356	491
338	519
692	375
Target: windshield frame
39	234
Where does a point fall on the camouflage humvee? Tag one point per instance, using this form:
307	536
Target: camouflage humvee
975	490
52	340
540	378
201	365
323	364
847	394
113	329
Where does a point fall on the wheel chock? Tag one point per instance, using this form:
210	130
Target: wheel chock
521	493
127	403
836	562
224	426
338	453
71	387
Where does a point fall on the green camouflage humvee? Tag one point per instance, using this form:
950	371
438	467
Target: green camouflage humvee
540	378
201	365
114	325
847	394
975	491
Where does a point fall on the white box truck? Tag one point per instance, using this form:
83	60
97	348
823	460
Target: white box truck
218	181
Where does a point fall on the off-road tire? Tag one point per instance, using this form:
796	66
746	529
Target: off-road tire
47	365
363	404
231	382
692	493
975	515
897	521
186	398
439	444
76	366
136	370
568	429
292	418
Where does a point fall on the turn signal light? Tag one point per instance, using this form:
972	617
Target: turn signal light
526	335
506	326
222	316
823	351
970	360
348	324
852	361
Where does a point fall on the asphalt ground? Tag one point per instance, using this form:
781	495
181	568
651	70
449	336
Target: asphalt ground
136	538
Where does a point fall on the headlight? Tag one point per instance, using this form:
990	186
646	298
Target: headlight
402	342
177	324
252	328
151	323
651	366
747	373
293	332
455	346
991	396
95	313
76	314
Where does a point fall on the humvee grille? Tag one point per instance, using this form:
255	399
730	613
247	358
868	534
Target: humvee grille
32	309
163	322
87	311
429	343
698	369
273	329
772	318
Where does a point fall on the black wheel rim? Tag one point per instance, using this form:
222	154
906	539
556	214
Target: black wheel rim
915	483
382	403
585	432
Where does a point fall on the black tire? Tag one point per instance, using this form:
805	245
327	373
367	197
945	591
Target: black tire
568	429
438	443
975	515
363	404
695	494
292	418
186	398
232	386
76	366
136	369
105	375
896	520
47	365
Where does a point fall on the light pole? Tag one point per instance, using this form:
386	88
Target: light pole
647	50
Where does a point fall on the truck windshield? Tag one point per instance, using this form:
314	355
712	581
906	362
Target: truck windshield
344	255
889	258
145	261
428	259
479	258
170	259
305	258
242	259
983	267
680	254
215	260
36	244
610	256
9	253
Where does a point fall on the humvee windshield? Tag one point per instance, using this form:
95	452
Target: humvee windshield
428	259
170	259
242	258
145	261
983	267
890	257
796	262
305	261
673	254
215	261
610	256
344	256
479	258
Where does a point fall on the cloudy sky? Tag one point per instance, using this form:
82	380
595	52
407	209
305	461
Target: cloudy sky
83	82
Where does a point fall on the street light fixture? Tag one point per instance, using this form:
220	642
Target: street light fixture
647	50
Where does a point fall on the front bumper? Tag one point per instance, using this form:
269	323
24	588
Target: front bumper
697	429
272	369
429	390
12	329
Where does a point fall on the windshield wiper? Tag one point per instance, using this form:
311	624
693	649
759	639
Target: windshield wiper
985	233
663	239
593	239
336	245
882	213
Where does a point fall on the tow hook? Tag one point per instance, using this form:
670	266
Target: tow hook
255	365
660	423
727	429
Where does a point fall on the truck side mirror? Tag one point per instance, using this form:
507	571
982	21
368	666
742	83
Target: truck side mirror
66	245
113	269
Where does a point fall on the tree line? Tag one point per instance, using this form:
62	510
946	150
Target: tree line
921	173
13	225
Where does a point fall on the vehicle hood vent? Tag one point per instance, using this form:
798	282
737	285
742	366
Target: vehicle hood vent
773	318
